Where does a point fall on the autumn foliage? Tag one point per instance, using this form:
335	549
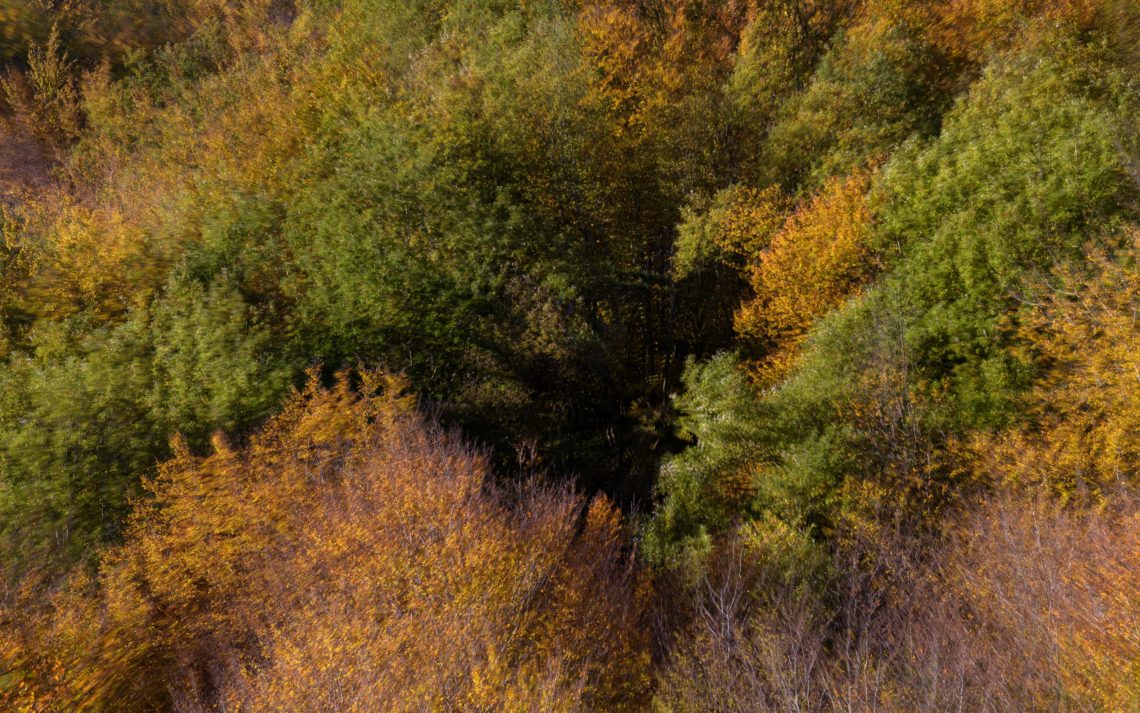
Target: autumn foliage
819	258
1026	607
753	355
352	556
1084	440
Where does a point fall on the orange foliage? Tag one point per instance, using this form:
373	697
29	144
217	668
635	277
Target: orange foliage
84	258
657	67
616	42
976	28
351	557
1085	406
818	259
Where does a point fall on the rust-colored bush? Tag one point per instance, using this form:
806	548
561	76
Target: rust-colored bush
1029	606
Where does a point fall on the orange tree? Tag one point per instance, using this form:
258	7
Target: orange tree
352	556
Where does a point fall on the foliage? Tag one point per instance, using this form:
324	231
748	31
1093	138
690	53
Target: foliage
880	81
1029	607
834	298
45	98
87	411
819	258
268	578
704	485
20	22
1082	434
734	230
865	429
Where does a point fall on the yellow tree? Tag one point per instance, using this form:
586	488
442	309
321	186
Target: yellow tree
351	557
79	258
1084	408
820	258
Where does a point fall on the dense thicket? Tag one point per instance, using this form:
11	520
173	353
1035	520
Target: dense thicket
835	299
236	579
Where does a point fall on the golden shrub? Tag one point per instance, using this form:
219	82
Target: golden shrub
351	556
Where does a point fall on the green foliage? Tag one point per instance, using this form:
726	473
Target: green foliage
779	50
881	81
719	413
74	434
1029	167
88	409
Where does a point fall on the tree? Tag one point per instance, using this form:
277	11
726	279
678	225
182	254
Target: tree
821	257
1081	439
90	410
352	556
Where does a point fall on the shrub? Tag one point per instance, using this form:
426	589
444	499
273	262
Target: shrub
352	556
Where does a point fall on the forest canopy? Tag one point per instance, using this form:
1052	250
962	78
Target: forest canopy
568	355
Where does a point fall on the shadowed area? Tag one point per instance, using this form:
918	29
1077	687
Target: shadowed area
23	161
